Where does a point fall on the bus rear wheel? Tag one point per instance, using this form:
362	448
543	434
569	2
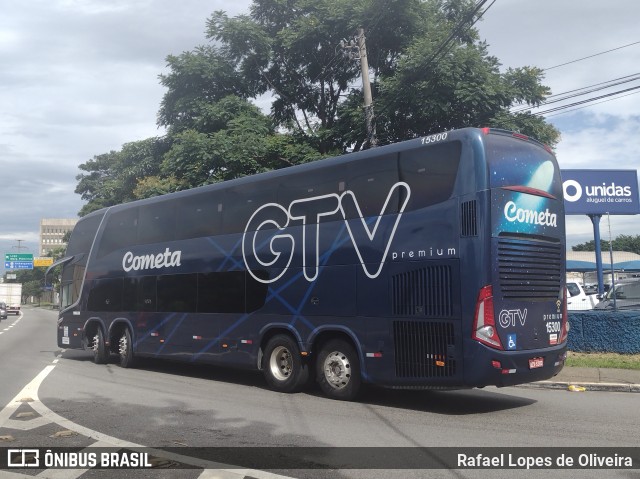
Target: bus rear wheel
338	370
284	369
125	349
99	348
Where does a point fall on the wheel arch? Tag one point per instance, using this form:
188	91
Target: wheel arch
90	328
271	330
324	334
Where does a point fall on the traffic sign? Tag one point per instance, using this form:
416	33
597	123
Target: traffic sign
18	265
18	257
44	261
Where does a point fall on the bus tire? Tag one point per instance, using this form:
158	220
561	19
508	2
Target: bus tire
338	370
284	370
99	348
125	349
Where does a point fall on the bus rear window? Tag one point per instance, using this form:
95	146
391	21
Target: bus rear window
518	163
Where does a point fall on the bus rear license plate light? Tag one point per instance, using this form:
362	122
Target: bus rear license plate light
535	363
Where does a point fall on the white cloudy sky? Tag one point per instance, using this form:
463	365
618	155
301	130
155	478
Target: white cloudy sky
80	78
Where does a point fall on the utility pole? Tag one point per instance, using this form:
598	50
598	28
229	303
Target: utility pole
359	52
20	247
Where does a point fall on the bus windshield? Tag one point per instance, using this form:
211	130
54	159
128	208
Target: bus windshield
519	163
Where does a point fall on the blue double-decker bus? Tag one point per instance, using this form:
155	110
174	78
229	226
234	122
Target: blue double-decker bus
437	262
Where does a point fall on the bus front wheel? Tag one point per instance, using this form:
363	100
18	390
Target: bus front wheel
99	348
284	369
338	370
125	349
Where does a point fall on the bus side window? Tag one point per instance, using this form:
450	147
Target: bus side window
139	294
372	188
105	295
120	232
221	292
430	172
240	203
177	293
256	290
157	223
199	216
323	182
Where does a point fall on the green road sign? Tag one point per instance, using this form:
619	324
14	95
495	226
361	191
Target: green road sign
18	257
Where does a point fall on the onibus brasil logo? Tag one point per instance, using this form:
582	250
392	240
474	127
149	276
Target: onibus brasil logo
275	249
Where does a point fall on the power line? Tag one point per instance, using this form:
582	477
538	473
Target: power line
583	91
590	56
466	23
595	84
458	29
596	103
589	100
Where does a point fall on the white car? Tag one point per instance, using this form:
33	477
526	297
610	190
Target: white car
578	300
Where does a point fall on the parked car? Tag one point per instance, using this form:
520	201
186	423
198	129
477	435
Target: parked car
591	288
627	296
578	300
3	311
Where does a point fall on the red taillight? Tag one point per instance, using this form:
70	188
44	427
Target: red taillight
520	136
484	325
564	329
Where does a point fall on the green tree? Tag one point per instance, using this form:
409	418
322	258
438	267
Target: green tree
288	49
111	178
621	243
430	72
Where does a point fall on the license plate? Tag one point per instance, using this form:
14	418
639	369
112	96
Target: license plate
536	363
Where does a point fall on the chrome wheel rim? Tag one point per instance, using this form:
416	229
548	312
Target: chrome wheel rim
337	370
96	344
123	345
281	363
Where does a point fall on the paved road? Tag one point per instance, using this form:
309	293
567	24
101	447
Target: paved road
27	345
163	404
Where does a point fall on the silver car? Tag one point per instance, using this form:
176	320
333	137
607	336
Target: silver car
627	296
3	311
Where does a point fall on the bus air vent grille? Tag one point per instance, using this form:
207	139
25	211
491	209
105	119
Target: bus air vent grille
468	219
529	270
421	349
425	292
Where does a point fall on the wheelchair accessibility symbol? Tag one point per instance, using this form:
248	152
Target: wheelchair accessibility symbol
511	341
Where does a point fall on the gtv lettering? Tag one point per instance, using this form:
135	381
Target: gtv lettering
276	249
509	317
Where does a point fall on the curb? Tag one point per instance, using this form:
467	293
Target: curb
611	387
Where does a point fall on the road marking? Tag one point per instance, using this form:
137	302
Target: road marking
12	324
29	394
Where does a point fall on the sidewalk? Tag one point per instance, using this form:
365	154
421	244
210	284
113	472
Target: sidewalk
593	379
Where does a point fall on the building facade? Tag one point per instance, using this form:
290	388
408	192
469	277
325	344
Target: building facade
52	232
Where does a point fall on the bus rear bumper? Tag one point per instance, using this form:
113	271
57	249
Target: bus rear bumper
509	368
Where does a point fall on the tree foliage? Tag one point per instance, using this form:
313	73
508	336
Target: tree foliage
621	243
430	72
111	178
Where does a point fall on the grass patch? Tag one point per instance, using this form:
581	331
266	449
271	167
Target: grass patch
603	360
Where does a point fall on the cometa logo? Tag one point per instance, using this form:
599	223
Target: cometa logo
151	261
543	218
267	241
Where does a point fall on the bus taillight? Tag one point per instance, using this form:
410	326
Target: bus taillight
484	325
564	329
